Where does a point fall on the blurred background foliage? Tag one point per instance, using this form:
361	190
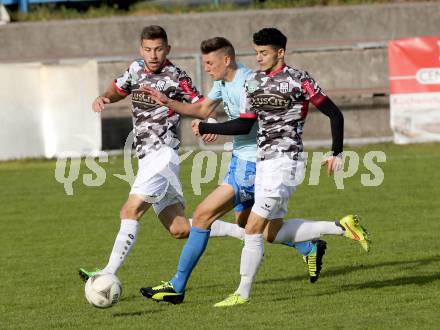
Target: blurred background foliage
94	9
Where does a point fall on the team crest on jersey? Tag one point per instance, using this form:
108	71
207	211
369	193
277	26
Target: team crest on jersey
252	86
284	87
160	85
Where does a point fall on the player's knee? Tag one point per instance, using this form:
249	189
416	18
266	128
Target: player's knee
130	212
179	232
125	213
255	225
201	216
252	228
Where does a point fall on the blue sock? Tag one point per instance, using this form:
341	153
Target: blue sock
303	247
191	253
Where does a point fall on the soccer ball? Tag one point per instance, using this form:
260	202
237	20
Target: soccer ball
103	290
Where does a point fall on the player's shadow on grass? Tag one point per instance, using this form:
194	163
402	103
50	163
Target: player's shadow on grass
412	263
415	264
405	280
131	297
142	299
400	281
138	313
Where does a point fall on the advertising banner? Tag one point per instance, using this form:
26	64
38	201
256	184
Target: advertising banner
414	70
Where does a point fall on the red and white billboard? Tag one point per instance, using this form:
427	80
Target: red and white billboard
414	65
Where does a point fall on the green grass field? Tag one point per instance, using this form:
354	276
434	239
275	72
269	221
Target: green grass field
46	236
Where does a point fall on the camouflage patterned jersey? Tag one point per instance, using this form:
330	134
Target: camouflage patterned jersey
155	125
280	101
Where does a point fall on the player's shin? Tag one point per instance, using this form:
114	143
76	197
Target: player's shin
251	258
124	243
300	230
220	228
302	247
191	253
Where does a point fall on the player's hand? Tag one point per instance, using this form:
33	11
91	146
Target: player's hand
334	163
99	103
209	138
195	127
157	96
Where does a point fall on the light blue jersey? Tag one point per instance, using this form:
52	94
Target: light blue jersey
231	92
240	176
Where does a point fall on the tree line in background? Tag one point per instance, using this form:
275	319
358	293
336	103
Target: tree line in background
94	9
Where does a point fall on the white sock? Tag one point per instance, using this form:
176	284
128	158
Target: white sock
123	244
251	258
300	230
220	228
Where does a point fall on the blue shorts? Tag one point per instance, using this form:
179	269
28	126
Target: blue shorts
241	176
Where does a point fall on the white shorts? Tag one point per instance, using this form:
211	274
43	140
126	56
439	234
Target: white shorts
157	180
276	180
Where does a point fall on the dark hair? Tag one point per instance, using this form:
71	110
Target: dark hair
152	32
213	44
270	37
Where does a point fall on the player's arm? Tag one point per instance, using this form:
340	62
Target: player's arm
324	104
238	126
111	95
328	108
201	110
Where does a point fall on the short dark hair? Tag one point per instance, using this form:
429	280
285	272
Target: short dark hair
152	32
270	37
216	43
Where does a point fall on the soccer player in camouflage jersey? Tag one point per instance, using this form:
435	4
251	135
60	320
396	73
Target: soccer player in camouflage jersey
157	181
277	96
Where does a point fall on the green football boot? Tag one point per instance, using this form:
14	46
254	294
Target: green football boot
355	231
233	300
85	275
